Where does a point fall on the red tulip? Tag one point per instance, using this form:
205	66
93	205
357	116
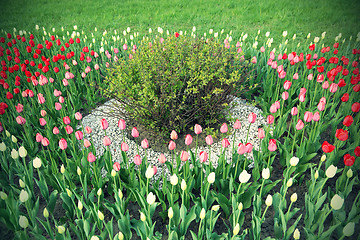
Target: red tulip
272	145
162	158
209	140
355	107
173	135
203	156
106	141
225	143
197	129
20	120
237	124
137	160
104	124
345	97
134	132
270	119
144	143
116	166
172	145
252	117
342	134
188	139
349	160
66	120
62	144
357	151
91	158
177	34
68	129
184	156
348	120
42	121
224	128
241	149
122	124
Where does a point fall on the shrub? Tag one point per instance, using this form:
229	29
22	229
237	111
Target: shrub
175	83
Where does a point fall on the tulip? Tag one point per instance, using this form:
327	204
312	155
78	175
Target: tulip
349	160
209	140
172	145
144	143
244	176
197	129
23	222
349	229
287	85
349	173
104	124
348	120
13	139
100	215
211	178
285	96
2	147
121	124
333	87
241	149
289	183
149	172
273	108
99	192
116	166
106	141
252	117
336	202
87	143
62	169
265	173
24	196
173	135
151	198
296	234
188	139
183	185
137	160
184	156
203	156
294	161
272	145
249	147
78	116
316	117
308	116
124	147
237	124
20	120
268	200
69	129
225	143
236	229
331	171
37	163
270	119
299	125
261	133
79	135
341	134
162	158
223	128
134	132
294	111
174	180
202	213
91	158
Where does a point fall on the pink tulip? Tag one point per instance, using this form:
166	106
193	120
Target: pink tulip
261	133
134	132
87	69
58	106
316	117
272	145
74	62
137	160
320	78
38	137
277	104
287	85
144	143
296	76
225	143
209	140
162	158
130	56
91	158
321	106
272	55
270	119
224	128
42	121
116	50
197	129
188	139
315	56
254	60
273	108
249	147
310	77
323	99
333	87
325	85
125	47
308	116
252	117
203	156
65	82
285	96
124	147
241	149
299	125
78	116
172	145
96	67
20	120
69	75
274	65
116	166
62	144
294	111
237	124
106	141
66	120
155	169
68	129
19	108
122	124
302	91
56	131
51	79
104	124
79	135
302	97
83	75
41	98
262	49
291	57
173	135
88	59
87	143
88	130
45	142
43	113
61	99
184	156
282	74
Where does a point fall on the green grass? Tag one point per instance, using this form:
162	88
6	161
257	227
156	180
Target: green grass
300	17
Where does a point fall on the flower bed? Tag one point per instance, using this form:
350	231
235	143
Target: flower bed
303	183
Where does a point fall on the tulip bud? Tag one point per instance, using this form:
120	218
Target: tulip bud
183	185
240	206
22	152
24	196
215	208
99	192
142	217
100	215
80	205
336	202
316	175
323	158
294	161
268	200
13	138
120	194
170	213
45	213
3	195
202	214
62	169
78	170
296	234
348	230
174	180
289	182
61	229
113	173
121	236
37	163
236	229
23	222
2	147
211	178
265	173
14	154
293	197
94	238
349	173
331	171
69	193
